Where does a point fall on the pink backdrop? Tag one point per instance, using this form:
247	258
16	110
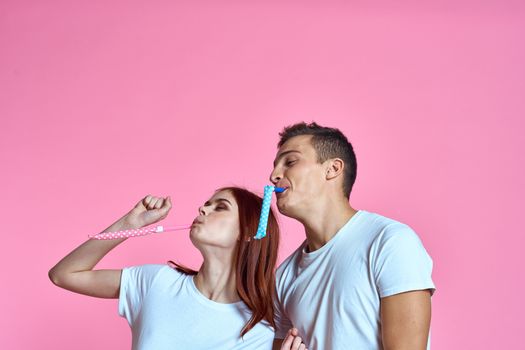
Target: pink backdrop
102	102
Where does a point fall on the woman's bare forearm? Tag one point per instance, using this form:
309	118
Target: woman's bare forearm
86	256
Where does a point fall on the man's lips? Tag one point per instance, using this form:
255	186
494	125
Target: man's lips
280	194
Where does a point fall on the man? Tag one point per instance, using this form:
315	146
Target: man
359	280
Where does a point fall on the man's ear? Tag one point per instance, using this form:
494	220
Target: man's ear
335	168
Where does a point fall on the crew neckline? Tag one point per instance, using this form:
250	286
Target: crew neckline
312	255
211	303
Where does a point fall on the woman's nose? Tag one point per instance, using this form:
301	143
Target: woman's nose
202	211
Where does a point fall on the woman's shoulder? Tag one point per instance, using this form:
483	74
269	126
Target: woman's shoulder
169	271
154	272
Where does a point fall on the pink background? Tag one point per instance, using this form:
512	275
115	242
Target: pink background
102	102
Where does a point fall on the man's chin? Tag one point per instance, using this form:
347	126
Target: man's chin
285	208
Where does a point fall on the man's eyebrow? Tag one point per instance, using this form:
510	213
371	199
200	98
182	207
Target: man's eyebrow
218	200
282	155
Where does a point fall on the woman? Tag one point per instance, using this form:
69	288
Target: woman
227	304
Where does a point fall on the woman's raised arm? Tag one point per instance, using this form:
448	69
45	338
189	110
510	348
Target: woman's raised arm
75	271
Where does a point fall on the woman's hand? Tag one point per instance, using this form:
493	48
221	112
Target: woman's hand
148	210
293	341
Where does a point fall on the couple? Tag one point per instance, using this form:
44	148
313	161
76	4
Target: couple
359	280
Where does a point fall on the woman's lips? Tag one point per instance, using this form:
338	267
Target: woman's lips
196	222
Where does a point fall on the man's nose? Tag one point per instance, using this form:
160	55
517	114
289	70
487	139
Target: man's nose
275	176
202	211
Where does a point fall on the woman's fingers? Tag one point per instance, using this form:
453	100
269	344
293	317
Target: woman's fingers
296	343
166	207
292	341
159	203
149	210
288	333
153	202
287	343
147	200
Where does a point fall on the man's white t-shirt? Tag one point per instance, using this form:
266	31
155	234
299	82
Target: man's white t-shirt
166	311
332	295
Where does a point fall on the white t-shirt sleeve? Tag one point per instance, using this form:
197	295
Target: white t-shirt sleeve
135	283
282	323
400	263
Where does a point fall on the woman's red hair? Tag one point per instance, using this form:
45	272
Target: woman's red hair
255	259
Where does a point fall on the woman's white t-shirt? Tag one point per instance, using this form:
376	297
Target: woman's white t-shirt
166	311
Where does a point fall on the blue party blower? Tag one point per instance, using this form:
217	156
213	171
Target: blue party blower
265	211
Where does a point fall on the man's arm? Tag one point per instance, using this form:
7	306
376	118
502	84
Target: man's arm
405	320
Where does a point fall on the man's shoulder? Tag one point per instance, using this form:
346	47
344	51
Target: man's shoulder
388	235
378	219
379	225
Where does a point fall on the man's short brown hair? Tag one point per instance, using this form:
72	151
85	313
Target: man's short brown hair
328	143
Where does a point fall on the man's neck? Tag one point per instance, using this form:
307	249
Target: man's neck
326	222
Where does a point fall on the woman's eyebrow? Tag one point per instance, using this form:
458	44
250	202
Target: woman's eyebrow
217	200
223	200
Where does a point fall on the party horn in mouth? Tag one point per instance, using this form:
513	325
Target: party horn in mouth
265	210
